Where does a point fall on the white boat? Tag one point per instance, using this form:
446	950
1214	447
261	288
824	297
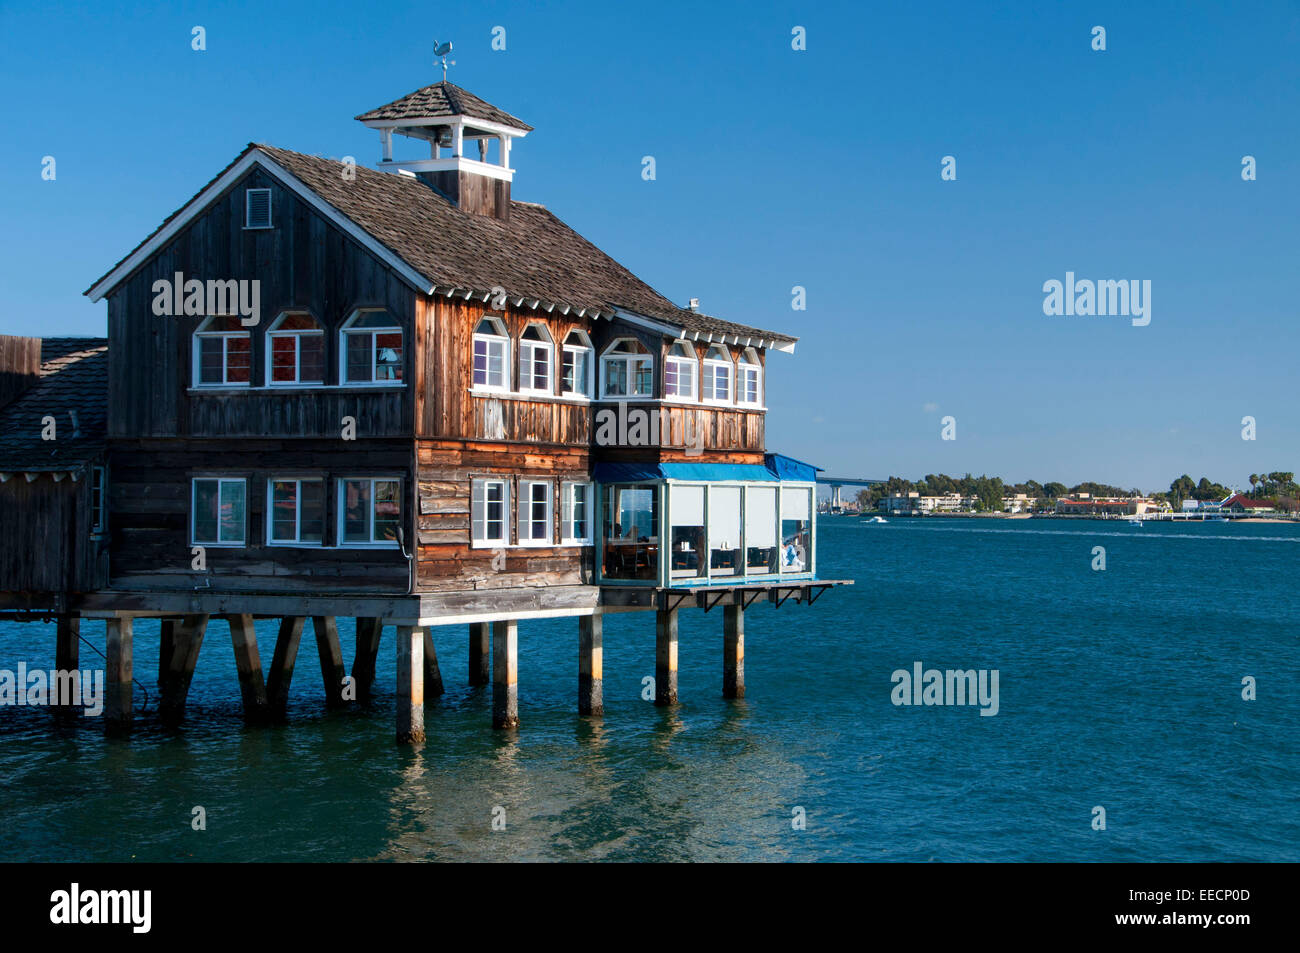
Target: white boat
877	519
1135	522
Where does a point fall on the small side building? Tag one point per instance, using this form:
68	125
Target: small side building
53	408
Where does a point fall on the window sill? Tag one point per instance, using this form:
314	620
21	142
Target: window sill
220	545
196	390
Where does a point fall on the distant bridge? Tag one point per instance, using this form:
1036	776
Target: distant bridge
836	483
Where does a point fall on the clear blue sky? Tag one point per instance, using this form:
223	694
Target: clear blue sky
778	168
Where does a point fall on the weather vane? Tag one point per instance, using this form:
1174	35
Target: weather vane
442	49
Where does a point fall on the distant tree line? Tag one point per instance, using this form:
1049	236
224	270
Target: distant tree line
1278	486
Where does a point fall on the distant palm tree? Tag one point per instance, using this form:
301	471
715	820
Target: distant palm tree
1254	478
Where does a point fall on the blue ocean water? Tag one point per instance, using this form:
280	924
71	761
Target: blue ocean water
1119	688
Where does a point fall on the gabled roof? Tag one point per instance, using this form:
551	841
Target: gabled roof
441	249
443	99
1247	502
73	389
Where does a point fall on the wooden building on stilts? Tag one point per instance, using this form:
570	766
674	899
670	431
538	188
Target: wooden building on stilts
399	395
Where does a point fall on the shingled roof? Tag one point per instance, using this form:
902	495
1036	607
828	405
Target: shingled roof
443	99
534	256
73	389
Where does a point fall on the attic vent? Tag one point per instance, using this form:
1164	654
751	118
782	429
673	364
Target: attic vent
257	208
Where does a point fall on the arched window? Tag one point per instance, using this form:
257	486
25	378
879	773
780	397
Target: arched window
575	373
535	357
222	353
717	375
679	372
627	370
749	378
372	349
491	347
295	352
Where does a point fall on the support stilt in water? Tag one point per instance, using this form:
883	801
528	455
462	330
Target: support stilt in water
591	695
369	631
67	647
666	657
505	674
248	661
480	652
282	662
410	684
117	691
166	644
733	652
432	674
332	671
187	639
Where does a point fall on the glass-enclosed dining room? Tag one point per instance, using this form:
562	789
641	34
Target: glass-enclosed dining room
675	532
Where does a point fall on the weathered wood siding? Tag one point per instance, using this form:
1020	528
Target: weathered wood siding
303	263
48	545
20	365
149	515
446	558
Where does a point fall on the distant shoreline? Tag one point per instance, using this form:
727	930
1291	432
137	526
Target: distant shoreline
1069	516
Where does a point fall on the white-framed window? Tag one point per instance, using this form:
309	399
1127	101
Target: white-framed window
98	498
535	357
576	371
490	513
223	353
627	370
535	513
218	511
491	356
257	208
370	511
576	501
716	379
371	351
295	350
679	372
749	378
295	510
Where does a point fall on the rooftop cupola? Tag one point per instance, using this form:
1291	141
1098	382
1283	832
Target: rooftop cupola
468	139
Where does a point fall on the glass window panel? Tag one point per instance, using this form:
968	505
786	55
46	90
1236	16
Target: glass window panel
356	511
212	360
724	530
686	510
388	356
615	377
311	511
374	319
311	358
284	357
284	511
644	377
388	510
205	511
760	528
359	353
238	359
231	529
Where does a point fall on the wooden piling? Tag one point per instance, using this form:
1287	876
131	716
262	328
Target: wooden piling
666	657
505	674
332	671
480	654
733	651
410	684
252	686
432	674
591	695
67	647
369	631
187	639
282	662
117	698
166	645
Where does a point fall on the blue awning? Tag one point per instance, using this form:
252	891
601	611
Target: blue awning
699	472
788	468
